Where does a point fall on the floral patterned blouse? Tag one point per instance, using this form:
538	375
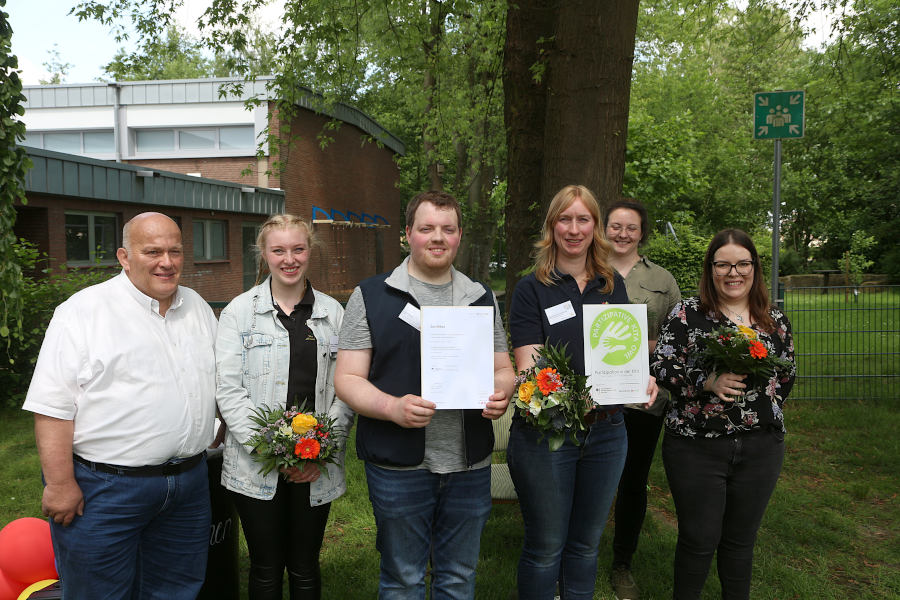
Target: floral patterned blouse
693	412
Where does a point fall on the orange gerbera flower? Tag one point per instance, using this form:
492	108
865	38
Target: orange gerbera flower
548	381
307	448
758	350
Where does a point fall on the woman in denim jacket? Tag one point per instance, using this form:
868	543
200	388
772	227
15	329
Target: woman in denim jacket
276	348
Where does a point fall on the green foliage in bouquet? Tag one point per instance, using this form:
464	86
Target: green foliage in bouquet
552	397
292	438
739	350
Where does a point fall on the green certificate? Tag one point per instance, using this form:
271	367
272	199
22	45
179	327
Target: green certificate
616	353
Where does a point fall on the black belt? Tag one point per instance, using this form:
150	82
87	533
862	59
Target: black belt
597	415
165	469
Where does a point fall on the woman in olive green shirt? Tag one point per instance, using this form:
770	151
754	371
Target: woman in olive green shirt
646	283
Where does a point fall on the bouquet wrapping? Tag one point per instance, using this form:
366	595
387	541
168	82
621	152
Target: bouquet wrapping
740	350
552	397
293	438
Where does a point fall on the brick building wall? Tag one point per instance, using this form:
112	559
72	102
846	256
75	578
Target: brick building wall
223	169
42	222
351	173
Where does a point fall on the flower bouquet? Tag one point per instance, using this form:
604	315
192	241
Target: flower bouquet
552	397
739	350
292	438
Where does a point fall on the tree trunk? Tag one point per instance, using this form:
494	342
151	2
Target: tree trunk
529	28
573	128
589	91
429	84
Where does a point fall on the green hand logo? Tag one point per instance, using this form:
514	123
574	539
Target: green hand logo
618	333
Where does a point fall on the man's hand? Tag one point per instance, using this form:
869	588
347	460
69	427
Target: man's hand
496	405
412	411
62	502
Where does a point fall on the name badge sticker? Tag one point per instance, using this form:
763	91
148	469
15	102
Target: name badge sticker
411	316
560	312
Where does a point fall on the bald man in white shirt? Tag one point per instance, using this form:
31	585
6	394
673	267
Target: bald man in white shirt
123	397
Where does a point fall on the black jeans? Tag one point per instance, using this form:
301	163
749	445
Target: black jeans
721	487
283	532
631	499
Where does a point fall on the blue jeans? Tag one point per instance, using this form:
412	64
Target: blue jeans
565	498
422	515
139	537
721	487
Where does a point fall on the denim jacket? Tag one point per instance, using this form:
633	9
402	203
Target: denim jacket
252	360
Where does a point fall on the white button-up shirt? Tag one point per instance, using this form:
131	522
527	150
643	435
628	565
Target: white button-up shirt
140	386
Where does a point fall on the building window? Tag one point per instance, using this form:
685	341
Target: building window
91	238
217	139
196	139
148	140
96	142
63	142
33	139
73	142
234	138
209	240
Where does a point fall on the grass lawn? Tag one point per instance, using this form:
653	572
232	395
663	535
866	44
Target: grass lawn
831	531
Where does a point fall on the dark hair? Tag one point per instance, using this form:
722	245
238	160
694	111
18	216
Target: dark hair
436	197
638	207
759	295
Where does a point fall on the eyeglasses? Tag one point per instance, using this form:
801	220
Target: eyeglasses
617	227
743	267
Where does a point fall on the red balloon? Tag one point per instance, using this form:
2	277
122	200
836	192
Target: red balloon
26	552
10	588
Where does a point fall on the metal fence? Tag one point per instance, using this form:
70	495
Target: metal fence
846	341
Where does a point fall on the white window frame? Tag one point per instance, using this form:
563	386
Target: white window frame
101	155
178	152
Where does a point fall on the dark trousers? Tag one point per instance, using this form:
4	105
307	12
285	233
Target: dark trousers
284	532
631	498
721	487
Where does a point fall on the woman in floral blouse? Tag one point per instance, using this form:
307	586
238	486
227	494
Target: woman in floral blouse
724	441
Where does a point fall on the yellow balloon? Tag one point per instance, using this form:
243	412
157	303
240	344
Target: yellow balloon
36	586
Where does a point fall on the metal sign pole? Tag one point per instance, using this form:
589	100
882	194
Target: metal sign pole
776	221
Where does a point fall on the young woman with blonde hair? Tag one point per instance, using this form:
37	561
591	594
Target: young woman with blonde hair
276	348
565	495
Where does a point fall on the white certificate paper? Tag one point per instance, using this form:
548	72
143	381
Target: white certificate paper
457	355
616	353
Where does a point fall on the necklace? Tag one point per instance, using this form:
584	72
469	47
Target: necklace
736	315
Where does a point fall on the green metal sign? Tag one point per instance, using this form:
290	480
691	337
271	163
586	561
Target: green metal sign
778	115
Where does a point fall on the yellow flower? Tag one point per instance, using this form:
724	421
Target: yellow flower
303	423
526	390
748	333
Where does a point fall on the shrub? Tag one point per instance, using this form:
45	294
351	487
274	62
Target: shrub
41	296
683	258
